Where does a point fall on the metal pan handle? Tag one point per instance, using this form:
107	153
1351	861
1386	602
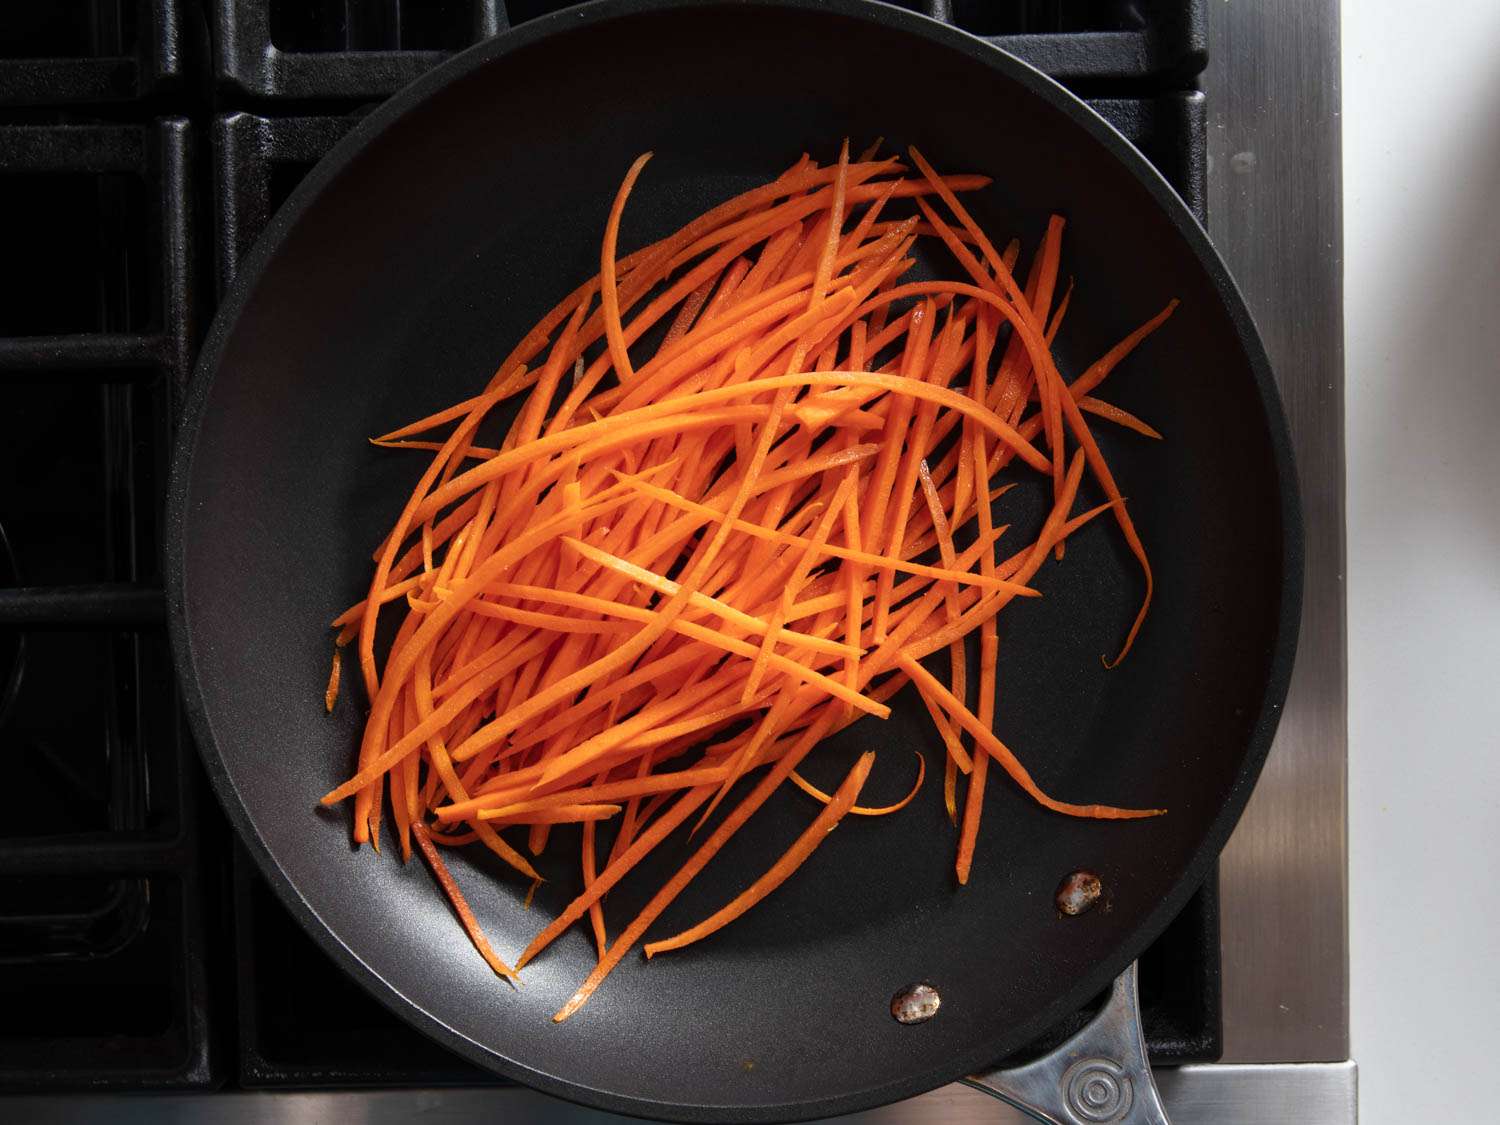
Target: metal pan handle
1101	1075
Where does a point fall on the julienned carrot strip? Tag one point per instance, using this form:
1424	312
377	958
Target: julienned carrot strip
956	656
513	802
557	814
461	905
883	476
988	636
609	293
472	452
919	437
859	810
854	589
615	582
950	781
331	694
986	739
1106	480
1111	413
815	833
824	272
690	309
588	863
1106	363
1050	388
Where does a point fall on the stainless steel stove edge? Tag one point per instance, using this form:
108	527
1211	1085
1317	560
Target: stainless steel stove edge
1275	214
1268	1094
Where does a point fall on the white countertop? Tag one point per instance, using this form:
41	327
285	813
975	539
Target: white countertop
1422	335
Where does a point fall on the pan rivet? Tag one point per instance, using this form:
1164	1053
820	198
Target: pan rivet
916	1003
1079	892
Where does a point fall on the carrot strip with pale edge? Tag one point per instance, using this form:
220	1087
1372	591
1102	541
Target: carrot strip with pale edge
461	905
331	692
684	564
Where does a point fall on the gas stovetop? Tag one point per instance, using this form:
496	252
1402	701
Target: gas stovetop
144	144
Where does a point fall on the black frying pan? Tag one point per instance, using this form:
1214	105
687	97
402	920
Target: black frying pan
412	257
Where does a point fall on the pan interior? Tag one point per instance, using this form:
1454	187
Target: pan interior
394	290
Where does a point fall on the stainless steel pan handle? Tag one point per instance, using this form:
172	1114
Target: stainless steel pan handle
1100	1075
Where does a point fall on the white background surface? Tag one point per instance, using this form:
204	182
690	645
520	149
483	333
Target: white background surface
1421	124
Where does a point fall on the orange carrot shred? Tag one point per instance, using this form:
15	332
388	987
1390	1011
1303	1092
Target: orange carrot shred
331	694
860	810
461	906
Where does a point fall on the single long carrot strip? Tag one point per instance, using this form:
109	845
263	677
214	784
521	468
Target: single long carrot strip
1100	468
906	478
1050	386
559	814
794	857
588	864
461	906
950	784
956	654
609	292
968	837
1111	413
331	694
960	758
689	310
854	590
431	421
824	272
728	288
992	745
860	810
514	802
883	477
471	452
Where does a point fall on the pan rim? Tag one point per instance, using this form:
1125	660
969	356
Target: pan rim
1007	68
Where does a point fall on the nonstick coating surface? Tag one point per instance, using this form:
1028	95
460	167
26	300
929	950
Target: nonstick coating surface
408	263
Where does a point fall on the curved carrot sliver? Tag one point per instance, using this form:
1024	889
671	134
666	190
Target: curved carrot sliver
859	810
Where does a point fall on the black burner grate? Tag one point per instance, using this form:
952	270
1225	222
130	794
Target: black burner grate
103	948
66	52
115	931
368	48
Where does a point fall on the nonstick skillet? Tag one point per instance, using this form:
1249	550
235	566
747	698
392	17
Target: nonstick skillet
410	260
